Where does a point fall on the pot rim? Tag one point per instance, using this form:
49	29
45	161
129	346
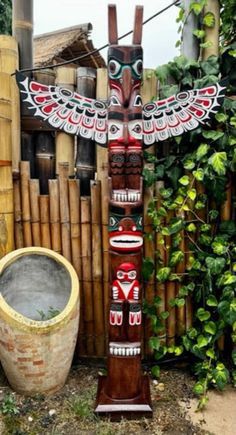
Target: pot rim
41	326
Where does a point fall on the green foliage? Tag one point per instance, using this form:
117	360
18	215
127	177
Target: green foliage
52	312
8	405
205	157
5	16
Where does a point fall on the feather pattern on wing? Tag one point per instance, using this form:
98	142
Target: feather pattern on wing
65	110
181	112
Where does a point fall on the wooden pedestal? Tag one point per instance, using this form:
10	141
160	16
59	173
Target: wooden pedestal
137	407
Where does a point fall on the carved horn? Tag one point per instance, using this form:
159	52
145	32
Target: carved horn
112	25
138	25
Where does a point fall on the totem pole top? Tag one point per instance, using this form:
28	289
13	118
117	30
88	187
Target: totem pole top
112	25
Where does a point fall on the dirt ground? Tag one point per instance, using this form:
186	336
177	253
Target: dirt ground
70	411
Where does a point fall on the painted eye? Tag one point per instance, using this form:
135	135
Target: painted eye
132	274
112	221
113	129
137	129
120	275
114	67
120	228
138	67
134	228
65	93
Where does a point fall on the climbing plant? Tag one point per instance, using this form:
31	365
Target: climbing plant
5	16
197	175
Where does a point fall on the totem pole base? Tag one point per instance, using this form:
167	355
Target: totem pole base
134	408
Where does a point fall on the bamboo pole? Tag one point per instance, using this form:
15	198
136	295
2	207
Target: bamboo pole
54	205
9	62
170	292
74	201
160	262
212	33
25	198
18	230
99	327
22	29
148	91
35	212
226	208
87	274
6	184
44	220
65	77
180	269
102	175
63	169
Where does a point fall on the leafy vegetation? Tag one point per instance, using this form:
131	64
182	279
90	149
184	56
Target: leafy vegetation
5	16
196	173
52	312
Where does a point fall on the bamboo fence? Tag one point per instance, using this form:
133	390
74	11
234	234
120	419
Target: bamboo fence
77	227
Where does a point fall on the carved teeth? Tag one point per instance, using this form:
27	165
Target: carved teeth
124	349
128	195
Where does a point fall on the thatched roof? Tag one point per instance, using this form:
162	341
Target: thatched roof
65	44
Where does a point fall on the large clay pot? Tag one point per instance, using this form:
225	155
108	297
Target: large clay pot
36	354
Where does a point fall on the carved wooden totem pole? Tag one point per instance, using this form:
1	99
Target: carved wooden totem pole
125	126
125	390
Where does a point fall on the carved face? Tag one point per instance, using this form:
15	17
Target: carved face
126	273
125	234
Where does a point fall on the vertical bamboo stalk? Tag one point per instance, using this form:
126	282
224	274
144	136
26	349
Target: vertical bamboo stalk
87	273
226	208
161	261
74	201
99	329
18	230
65	76
180	269
9	62
22	29
102	175
54	204
44	219
35	212
25	198
64	210
212	33
6	184
170	293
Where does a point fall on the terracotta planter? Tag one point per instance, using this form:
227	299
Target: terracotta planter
36	354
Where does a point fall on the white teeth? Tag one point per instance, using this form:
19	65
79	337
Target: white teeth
124	349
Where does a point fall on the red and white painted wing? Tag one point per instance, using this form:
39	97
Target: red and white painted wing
64	109
181	112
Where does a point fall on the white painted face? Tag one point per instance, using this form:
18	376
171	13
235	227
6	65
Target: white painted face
115	130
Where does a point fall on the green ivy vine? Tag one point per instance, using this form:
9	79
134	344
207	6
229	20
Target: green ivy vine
198	172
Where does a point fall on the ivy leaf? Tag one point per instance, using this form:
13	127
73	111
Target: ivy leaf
221	117
221	377
210	353
198	388
189	164
234	357
147	268
184	180
192	193
163	274
210	328
155	371
200	34
215	265
175	258
154	343
199	174
192	333
209	19
202	151
212	301
202	341
218	161
196	7
203	315
166	193
219	248
212	134
191	228
176	224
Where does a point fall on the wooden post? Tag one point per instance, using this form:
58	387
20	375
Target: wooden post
85	159
25	198
99	329
35	212
65	77
44	221
212	33
54	204
87	273
190	46
6	184
64	210
22	29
